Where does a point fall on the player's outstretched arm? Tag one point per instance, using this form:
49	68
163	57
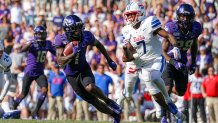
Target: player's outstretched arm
172	40
165	45
62	60
163	33
101	48
26	46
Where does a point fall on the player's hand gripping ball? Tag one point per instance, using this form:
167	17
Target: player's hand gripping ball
70	48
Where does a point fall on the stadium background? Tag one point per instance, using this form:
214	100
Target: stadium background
104	19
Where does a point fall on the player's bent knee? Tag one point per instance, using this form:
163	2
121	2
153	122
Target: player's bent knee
44	90
89	87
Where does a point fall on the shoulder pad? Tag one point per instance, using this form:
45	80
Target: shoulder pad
171	27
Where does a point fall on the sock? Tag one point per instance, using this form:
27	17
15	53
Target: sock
158	108
178	115
39	103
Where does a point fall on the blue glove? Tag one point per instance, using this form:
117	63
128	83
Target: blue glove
112	64
177	65
191	68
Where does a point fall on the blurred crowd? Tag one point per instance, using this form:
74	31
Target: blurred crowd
104	18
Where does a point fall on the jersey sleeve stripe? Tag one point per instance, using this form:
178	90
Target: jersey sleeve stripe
156	24
154	21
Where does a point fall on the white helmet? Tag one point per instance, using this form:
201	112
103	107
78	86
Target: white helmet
1	46
135	8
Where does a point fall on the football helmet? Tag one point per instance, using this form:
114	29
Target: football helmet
73	27
188	14
40	33
134	8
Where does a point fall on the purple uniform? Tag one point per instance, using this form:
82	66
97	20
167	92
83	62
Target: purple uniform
183	41
76	66
36	58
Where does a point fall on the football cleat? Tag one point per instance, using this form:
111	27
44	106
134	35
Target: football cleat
36	117
11	114
164	119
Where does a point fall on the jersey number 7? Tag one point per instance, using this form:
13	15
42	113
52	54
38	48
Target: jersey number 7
142	42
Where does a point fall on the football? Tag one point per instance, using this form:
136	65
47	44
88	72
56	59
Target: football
68	49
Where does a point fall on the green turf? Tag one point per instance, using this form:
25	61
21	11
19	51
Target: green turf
58	121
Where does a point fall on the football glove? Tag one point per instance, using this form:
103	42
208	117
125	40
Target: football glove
175	52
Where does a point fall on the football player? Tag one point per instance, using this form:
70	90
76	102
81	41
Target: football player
186	30
78	71
5	73
37	50
145	60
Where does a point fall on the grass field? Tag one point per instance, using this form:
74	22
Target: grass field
57	121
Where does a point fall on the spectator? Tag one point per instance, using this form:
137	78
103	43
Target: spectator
58	19
210	92
203	60
215	48
16	12
186	102
111	43
82	109
57	81
196	80
18	60
103	81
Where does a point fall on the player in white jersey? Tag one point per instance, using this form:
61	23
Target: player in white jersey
143	52
5	74
5	80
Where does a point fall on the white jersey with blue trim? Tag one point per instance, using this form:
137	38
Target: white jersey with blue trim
147	45
5	62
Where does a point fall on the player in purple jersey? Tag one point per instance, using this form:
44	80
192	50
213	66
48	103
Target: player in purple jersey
37	49
186	30
78	71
